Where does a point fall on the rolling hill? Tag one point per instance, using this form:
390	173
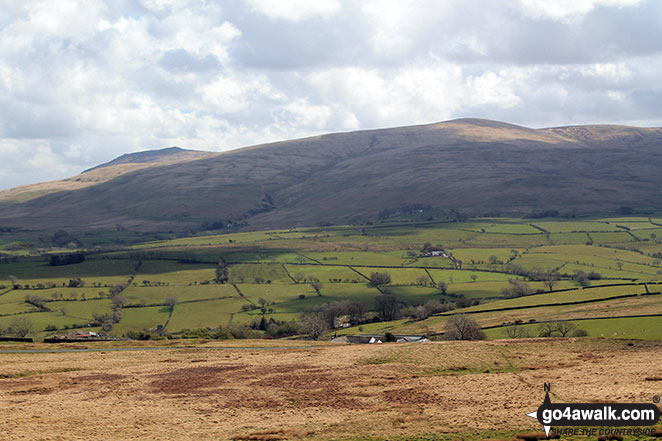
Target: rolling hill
476	166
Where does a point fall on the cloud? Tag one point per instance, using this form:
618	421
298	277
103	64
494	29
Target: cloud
568	11
83	82
296	10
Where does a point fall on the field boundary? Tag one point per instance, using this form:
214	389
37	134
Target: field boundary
504	325
542	305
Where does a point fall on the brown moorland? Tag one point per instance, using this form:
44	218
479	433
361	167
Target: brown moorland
445	390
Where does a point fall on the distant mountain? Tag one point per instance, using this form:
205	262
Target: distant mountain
162	156
126	163
476	166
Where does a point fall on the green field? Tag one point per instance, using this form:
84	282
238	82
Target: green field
647	328
281	275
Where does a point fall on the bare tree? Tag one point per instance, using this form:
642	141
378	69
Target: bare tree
388	306
550	279
118	301
422	280
546	330
20	327
171	302
317	286
564	328
461	327
518	288
515	331
314	325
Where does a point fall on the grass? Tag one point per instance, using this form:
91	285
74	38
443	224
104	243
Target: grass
158	294
334	255
324	273
249	273
33	271
174	273
562	297
210	313
404	276
139	319
646	328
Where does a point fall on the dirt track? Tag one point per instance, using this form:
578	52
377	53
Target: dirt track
470	389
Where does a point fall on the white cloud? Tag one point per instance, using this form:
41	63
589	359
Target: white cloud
613	72
492	89
296	10
83	82
567	11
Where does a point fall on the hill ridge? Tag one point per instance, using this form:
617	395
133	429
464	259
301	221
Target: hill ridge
473	165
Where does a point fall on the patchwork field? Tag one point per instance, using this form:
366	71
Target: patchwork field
177	285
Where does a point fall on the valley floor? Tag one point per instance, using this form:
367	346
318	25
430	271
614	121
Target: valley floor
296	390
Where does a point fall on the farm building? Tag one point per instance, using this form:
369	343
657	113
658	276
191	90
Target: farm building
372	339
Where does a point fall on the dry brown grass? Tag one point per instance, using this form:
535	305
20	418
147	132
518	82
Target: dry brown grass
311	393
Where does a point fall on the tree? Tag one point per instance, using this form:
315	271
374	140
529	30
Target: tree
298	277
461	327
356	311
493	259
118	301
20	327
14	281
619	264
515	331
317	285
473	277
422	280
388	306
582	278
546	330
222	271
314	325
551	278
442	287
379	279
564	328
517	288
76	283
262	301
171	302
420	313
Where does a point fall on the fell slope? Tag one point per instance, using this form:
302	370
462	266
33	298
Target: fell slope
105	172
474	165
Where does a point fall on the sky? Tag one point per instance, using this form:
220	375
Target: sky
82	82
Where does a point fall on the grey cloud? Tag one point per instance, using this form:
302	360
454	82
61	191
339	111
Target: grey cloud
147	76
180	60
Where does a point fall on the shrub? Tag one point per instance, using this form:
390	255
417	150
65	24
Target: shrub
594	276
379	279
580	333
